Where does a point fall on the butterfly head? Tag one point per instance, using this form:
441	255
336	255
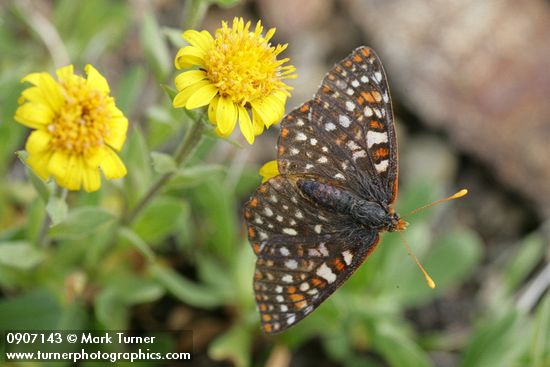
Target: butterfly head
397	224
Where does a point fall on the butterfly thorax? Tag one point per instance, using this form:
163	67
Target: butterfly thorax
370	214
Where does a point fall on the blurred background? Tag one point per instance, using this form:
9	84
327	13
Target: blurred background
470	83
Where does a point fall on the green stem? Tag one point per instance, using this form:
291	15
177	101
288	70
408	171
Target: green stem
191	140
43	240
194	13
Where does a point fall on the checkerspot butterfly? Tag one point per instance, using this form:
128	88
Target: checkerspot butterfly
316	222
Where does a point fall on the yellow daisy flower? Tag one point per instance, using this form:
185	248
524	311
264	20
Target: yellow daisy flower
237	74
268	170
77	128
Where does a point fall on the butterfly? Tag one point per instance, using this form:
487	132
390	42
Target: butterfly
316	222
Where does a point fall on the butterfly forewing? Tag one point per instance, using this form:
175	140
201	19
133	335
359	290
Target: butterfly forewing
343	138
304	252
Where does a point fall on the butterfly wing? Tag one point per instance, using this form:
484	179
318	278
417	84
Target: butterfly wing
304	252
346	133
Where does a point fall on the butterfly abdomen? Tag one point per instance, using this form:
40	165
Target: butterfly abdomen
368	213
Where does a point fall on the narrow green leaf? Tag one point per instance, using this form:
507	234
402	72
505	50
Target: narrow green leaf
81	222
57	209
40	186
156	50
498	342
159	219
163	163
192	176
187	291
397	348
20	255
34	310
234	345
129	235
540	344
523	261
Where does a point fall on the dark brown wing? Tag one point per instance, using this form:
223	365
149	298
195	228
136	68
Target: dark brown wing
346	133
304	252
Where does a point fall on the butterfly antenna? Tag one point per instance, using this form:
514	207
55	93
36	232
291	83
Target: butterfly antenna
428	278
457	195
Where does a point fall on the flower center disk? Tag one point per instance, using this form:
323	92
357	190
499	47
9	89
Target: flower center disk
80	127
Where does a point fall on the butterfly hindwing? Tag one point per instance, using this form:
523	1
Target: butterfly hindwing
304	252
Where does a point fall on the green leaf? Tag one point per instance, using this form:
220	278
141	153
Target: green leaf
137	158
57	209
33	310
20	255
226	3
525	259
81	222
170	91
185	290
132	237
163	163
40	186
540	344
397	348
192	176
110	309
155	48
498	342
234	345
160	218
129	88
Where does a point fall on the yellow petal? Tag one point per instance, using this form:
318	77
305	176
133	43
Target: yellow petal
201	40
34	115
35	95
189	78
95	79
181	98
258	124
50	89
72	179
39	164
226	116
262	112
65	73
202	97
268	170
117	132
246	125
38	142
112	166
91	179
58	164
189	56
212	108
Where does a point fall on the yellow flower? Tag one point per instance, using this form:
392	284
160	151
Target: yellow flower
268	170
236	73
77	128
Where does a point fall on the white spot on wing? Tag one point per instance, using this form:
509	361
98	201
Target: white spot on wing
323	249
290	231
291	264
339	175
299	214
279	218
279	289
368	111
291	319
304	286
287	278
382	166
344	120
349	92
313	141
364	79
350	106
374	137
347	257
284	308
325	272
378	76
318	228
301	137
294	151
355	83
279	299
268	211
329	126
284	251
322	159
